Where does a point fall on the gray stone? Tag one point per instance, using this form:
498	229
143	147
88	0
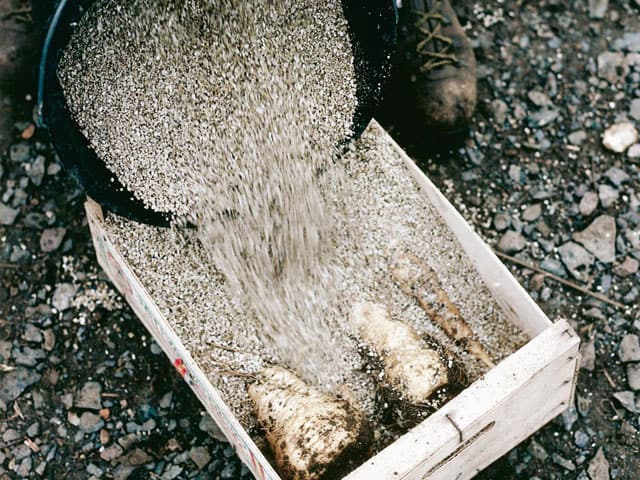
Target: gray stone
627	399
10	435
28	356
90	422
500	111
208	425
515	173
165	401
112	452
598	466
5	350
620	136
7	214
49	339
539	99
600	238
511	242
608	195
94	470
172	472
634	151
136	457
577	138
200	456
588	203
633	236
19	152
563	462
544	117
122	472
611	67
588	355
32	333
35	170
89	396
633	376
634	109
538	451
33	430
569	417
617	176
554	266
626	268
51	238
229	472
597	8
581	439
577	260
24	468
63	296
13	383
630	41
53	169
532	213
629	350
501	222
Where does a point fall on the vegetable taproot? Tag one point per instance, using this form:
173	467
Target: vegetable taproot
416	278
310	432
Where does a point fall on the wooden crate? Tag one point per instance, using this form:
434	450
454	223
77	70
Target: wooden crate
502	408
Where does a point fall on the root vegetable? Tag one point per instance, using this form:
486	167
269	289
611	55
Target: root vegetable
412	368
309	432
417	279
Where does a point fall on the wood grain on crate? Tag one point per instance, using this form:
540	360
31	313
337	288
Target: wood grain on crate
494	414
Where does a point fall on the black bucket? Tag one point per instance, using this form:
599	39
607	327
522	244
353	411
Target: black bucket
372	27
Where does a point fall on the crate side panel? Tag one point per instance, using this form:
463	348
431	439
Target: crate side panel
515	419
434	440
516	303
138	298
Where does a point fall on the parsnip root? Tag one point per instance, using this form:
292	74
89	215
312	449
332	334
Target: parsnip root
417	279
412	368
307	430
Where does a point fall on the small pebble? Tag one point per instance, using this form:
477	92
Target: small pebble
581	439
634	109
63	296
608	195
588	203
51	238
598	8
563	462
511	242
629	350
627	268
588	355
599	466
577	260
620	136
89	396
599	238
627	400
633	376
532	213
577	138
7	214
90	422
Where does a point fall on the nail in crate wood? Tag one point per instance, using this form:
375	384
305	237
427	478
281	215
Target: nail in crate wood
499	410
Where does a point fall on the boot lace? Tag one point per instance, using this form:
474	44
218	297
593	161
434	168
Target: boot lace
434	48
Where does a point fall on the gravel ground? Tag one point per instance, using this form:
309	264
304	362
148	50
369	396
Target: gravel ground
85	393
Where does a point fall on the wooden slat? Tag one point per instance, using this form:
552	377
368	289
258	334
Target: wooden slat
149	314
504	395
